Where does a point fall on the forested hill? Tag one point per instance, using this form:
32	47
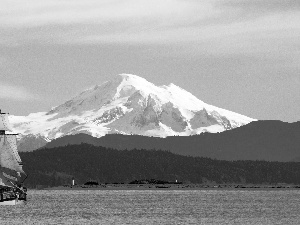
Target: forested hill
258	140
56	166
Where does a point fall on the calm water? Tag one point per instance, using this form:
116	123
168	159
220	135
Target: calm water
156	207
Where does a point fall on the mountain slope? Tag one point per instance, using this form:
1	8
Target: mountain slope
129	105
258	140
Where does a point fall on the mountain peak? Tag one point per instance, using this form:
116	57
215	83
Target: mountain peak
129	76
131	104
134	80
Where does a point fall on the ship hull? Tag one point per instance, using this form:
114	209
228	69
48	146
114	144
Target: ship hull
13	202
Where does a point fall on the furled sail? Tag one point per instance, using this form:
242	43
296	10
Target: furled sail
4	124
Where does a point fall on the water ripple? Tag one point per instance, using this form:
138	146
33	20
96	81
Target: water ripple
156	207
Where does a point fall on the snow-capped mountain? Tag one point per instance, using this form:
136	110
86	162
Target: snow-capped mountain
129	104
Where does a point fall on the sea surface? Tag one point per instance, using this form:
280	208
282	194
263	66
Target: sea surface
156	207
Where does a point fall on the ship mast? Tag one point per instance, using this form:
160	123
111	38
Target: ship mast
2	132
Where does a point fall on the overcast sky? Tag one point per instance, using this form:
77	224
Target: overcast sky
241	55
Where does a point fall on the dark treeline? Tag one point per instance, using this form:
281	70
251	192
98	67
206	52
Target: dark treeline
57	166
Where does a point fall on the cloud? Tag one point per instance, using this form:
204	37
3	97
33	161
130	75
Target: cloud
68	21
212	26
263	6
19	13
12	92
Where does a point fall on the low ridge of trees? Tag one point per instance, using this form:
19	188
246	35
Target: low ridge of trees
57	166
91	183
153	181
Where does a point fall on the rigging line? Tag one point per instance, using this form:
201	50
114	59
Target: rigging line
24	178
16	186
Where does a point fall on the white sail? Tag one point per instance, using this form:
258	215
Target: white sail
12	140
1	142
4	123
9	157
10	161
3	180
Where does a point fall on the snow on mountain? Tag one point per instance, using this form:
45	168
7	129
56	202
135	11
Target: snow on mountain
129	104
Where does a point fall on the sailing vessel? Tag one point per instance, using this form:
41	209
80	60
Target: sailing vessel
12	175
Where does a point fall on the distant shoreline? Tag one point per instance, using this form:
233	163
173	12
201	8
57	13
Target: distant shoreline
172	187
